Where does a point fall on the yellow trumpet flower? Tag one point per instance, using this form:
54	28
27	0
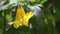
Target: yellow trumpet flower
22	18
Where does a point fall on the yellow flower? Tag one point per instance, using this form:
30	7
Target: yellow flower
22	18
26	18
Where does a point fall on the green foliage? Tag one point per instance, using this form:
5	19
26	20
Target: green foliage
43	23
1	22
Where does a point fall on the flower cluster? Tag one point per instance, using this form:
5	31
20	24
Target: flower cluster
22	17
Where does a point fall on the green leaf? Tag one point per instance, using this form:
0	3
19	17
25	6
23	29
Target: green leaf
43	1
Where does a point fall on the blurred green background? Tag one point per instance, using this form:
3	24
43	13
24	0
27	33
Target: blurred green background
46	22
